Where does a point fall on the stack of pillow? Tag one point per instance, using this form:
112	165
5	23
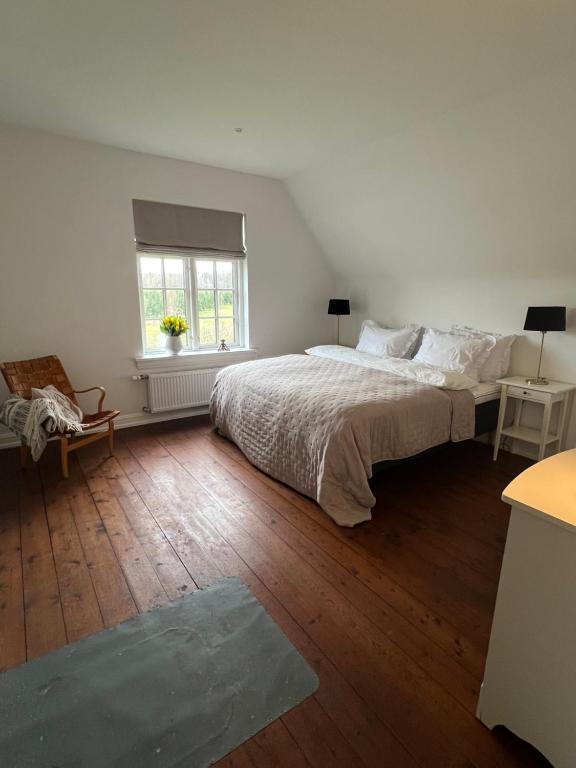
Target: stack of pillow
477	354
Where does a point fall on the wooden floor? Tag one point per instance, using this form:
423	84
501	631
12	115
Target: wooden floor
394	615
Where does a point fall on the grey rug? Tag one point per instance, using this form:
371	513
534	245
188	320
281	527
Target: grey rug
179	686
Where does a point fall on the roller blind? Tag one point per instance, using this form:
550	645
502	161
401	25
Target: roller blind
181	228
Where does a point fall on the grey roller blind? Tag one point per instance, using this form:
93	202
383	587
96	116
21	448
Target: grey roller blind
166	227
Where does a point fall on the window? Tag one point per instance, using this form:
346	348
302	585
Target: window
209	293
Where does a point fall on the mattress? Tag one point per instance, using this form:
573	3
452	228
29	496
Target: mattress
486	391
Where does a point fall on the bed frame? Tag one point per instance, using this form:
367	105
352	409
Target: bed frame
486	418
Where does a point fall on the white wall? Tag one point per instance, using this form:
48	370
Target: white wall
68	282
468	218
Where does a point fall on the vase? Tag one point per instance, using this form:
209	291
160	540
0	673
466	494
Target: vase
174	344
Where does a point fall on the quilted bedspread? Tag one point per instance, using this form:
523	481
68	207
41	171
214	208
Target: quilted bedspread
319	424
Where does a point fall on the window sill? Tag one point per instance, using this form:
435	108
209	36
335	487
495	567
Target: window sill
187	361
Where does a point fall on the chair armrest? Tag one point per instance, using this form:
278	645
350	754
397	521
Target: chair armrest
92	389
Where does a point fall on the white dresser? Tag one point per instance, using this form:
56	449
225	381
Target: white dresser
530	677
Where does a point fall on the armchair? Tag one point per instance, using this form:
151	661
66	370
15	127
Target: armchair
23	375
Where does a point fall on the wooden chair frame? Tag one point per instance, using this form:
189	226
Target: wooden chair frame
23	375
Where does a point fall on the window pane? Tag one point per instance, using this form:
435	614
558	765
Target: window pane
207	331
154	337
151	271
153	303
224	277
206	307
225	303
215	303
226	329
174	273
205	274
175	303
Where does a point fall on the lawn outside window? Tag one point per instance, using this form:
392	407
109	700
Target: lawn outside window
207	292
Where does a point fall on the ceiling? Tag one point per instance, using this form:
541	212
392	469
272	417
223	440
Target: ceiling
304	79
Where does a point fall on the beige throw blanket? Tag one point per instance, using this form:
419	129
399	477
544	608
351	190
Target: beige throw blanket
319	424
34	421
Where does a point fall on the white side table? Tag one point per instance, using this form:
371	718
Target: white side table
547	395
530	675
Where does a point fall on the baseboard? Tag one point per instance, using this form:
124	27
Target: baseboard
125	420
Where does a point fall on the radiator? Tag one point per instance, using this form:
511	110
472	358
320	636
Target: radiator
171	391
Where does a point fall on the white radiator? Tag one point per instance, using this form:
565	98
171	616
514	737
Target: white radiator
188	389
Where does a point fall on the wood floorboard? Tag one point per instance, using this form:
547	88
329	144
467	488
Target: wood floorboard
394	616
275	746
112	590
137	564
45	627
80	608
171	572
12	626
318	736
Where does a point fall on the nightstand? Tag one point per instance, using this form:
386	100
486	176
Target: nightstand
516	388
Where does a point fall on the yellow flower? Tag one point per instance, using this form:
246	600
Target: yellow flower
174	325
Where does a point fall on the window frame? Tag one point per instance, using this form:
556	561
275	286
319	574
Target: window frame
191	299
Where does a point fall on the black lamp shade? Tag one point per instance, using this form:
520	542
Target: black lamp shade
545	319
339	307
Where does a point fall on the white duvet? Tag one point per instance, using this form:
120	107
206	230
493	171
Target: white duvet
409	369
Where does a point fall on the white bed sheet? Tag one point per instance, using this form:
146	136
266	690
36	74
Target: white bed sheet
409	369
486	391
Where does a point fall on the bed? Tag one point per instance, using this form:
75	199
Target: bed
319	422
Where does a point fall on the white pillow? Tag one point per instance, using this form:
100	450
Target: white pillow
392	342
454	352
498	362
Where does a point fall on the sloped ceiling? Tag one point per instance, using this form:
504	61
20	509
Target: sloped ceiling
488	189
389	119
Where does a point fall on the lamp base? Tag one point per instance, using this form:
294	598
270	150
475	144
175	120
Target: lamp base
537	380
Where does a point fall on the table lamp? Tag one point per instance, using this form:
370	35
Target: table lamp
544	319
339	307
